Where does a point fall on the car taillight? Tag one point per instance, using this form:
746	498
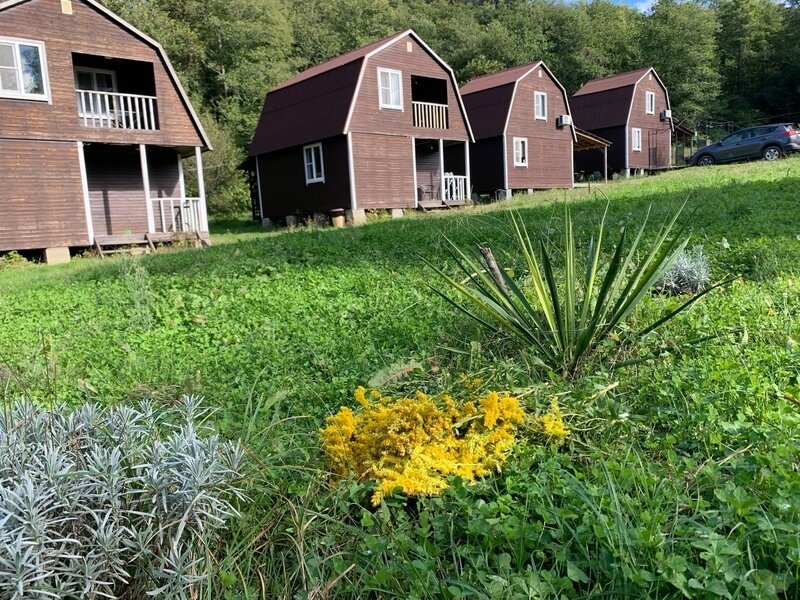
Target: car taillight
790	132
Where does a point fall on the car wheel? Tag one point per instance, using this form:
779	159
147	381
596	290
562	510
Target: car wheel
772	153
705	161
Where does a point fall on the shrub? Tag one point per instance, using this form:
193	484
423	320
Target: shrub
13	260
106	503
689	274
563	319
415	443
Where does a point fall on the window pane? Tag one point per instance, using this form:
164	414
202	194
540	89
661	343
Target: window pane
85	80
386	88
8	80
395	79
7	56
105	82
31	64
317	162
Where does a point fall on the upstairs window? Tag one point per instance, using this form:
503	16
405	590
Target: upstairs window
650	103
540	105
520	152
390	88
23	70
315	172
636	139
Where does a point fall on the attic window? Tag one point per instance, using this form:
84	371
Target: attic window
315	170
650	105
390	88
540	105
23	70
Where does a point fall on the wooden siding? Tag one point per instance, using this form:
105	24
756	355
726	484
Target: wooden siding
284	189
116	190
656	134
486	165
384	171
368	117
86	31
549	147
41	199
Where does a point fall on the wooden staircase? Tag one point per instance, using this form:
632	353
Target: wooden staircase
142	243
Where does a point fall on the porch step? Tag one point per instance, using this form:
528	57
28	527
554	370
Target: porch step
143	243
432	204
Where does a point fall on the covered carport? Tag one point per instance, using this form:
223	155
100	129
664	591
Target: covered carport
586	142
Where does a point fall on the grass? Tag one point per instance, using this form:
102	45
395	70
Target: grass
679	480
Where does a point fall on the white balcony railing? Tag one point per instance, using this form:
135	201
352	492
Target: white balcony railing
111	110
178	215
430	115
455	188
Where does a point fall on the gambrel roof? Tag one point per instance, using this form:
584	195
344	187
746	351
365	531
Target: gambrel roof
606	102
318	103
148	40
489	98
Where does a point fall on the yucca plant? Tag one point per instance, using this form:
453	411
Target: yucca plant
563	319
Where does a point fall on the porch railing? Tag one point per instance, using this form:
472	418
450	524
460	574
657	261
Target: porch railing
111	110
178	215
430	115
455	188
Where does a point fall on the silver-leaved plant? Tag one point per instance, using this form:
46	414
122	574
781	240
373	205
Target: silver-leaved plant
111	502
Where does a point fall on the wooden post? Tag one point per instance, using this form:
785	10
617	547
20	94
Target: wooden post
151	223
201	188
258	184
182	190
87	205
605	164
414	166
467	170
441	170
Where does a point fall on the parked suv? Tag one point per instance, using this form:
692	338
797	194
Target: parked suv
769	142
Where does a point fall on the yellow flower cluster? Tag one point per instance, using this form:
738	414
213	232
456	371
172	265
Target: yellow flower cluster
551	424
416	443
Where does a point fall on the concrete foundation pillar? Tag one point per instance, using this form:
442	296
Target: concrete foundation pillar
337	219
530	191
508	194
356	217
56	256
291	221
397	213
267	224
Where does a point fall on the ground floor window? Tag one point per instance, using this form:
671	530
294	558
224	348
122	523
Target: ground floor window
315	172
520	152
636	139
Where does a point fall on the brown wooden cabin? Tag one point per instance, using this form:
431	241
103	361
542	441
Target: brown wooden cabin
632	111
94	126
380	127
523	130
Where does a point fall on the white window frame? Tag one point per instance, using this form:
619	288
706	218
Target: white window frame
519	163
399	75
21	95
650	103
636	136
536	115
306	163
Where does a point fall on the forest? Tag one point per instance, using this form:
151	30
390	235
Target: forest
727	63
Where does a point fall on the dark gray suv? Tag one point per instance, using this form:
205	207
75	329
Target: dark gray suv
769	142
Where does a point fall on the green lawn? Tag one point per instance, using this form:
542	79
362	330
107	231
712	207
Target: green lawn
681	477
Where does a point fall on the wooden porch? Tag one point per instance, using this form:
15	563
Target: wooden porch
137	196
441	173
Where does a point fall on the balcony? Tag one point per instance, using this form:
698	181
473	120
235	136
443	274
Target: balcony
430	115
112	110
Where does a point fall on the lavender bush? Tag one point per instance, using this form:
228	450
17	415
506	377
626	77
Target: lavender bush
111	503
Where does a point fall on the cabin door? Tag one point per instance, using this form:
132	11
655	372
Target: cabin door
96	88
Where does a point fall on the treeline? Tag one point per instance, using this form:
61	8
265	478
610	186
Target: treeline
724	61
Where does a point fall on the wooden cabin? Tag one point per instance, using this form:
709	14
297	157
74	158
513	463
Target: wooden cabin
632	111
94	127
523	131
380	127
